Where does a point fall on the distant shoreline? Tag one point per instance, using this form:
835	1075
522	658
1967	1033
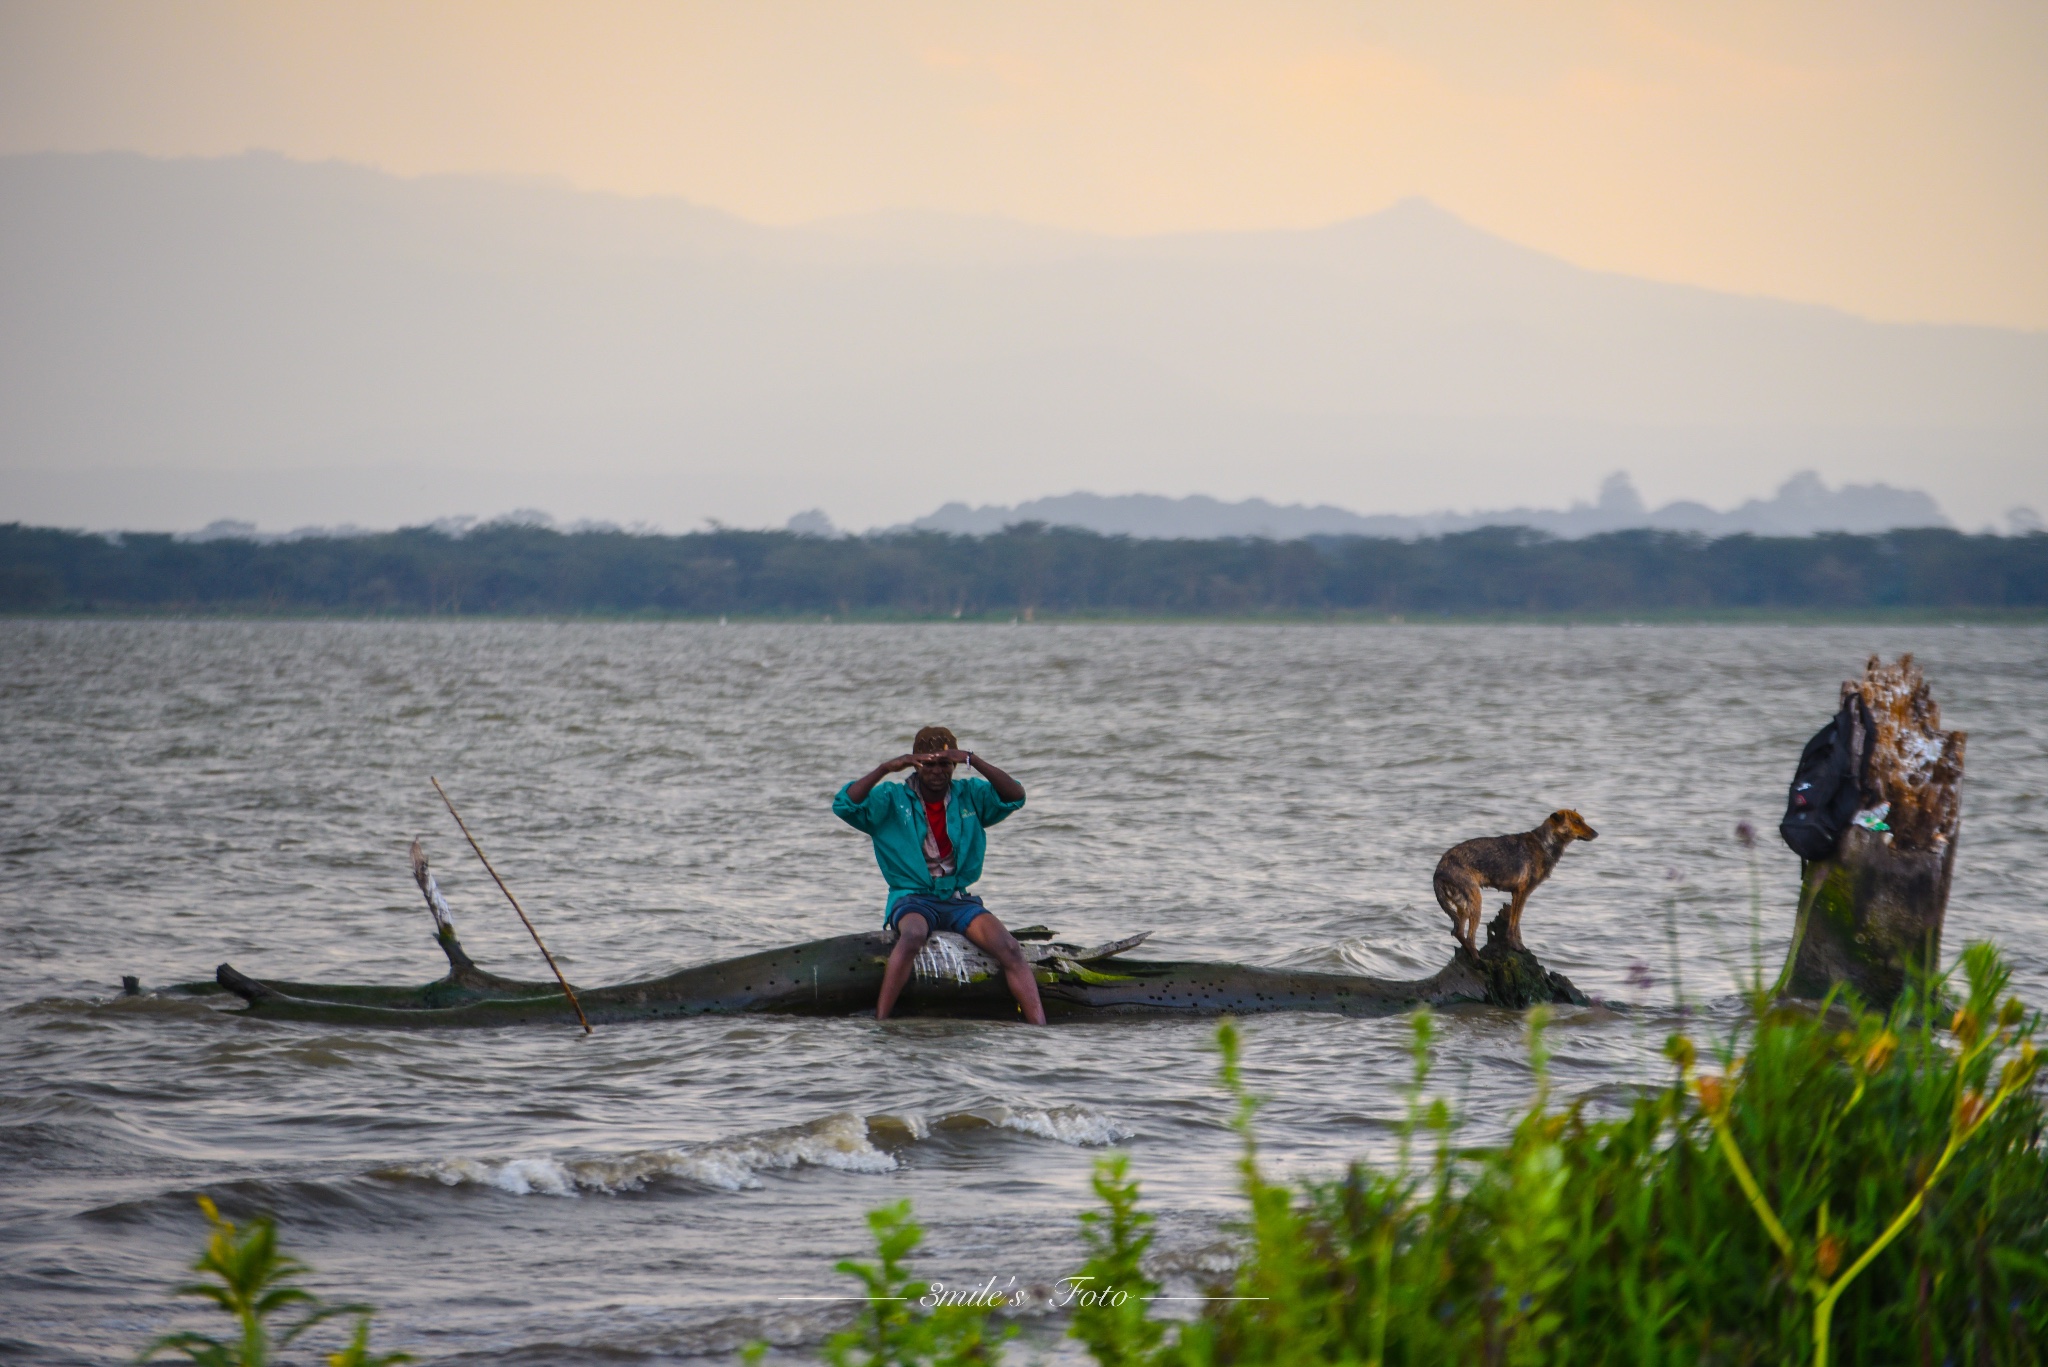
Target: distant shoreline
2030	617
1030	571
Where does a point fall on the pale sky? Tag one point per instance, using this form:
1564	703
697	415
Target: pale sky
1883	157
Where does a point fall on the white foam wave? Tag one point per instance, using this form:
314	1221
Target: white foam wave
1076	1125
843	1141
838	1141
520	1176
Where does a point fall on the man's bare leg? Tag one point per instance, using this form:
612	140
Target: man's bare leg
991	935
912	930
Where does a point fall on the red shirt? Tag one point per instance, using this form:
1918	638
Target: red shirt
935	818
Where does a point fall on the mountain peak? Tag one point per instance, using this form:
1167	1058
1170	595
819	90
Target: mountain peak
246	321
1422	211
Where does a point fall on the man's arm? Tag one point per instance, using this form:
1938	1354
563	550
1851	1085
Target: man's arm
858	790
1007	788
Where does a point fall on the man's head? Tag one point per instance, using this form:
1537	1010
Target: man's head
934	774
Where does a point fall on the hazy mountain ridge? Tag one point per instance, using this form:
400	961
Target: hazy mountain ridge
291	343
1802	506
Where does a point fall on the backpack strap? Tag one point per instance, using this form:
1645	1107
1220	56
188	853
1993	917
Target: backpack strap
1863	744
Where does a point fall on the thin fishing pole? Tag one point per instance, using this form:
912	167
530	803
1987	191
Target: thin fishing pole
566	989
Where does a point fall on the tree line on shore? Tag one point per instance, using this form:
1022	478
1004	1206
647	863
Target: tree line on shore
1026	570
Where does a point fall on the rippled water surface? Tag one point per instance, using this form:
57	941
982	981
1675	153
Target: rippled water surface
177	794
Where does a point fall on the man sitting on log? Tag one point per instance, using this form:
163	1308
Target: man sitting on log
928	834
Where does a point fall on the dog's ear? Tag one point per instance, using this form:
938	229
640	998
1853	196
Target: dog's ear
1575	824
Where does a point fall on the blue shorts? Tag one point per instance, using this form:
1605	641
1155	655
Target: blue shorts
940	913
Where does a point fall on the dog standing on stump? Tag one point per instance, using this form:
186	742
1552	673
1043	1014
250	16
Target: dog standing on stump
1513	864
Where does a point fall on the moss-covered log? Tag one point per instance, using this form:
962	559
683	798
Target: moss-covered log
843	975
1871	916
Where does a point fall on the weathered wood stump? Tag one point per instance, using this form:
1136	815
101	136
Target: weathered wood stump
1870	917
1514	977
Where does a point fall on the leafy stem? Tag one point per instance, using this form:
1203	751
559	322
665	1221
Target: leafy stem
1972	1112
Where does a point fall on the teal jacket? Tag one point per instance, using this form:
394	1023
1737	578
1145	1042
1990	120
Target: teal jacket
893	817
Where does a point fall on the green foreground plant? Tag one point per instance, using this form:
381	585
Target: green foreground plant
1112	1290
896	1327
1848	1187
250	1278
2009	1032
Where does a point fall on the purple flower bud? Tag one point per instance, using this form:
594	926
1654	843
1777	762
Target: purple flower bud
1746	833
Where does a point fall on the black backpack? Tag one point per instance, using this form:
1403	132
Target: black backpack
1828	787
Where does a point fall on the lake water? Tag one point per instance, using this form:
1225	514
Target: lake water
177	794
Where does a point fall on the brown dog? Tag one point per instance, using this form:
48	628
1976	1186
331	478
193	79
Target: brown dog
1513	864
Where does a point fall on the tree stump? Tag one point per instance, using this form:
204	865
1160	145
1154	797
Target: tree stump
1870	917
1514	977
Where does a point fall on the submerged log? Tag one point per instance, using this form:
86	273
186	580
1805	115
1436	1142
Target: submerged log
1870	917
843	976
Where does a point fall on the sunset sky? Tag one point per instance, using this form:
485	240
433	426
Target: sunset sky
1887	158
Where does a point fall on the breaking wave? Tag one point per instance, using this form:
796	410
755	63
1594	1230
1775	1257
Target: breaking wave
1076	1125
844	1140
837	1141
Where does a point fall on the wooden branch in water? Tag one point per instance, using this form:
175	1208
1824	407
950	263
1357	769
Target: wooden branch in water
841	976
